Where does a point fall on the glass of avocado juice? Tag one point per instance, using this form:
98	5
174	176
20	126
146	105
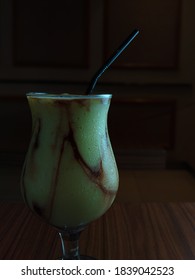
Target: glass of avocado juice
70	176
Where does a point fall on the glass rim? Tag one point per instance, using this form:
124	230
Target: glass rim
67	96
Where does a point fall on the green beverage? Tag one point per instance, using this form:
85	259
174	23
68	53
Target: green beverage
69	177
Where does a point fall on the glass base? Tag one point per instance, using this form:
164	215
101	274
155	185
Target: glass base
82	257
70	245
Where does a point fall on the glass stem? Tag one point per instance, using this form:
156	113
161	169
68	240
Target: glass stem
70	245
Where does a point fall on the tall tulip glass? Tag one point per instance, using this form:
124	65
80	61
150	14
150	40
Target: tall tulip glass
69	177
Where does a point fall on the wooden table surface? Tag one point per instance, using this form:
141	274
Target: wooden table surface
126	231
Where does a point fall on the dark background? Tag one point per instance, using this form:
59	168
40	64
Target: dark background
57	47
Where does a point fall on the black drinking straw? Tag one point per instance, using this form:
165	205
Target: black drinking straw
120	49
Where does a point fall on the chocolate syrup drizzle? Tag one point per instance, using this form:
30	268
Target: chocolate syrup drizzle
35	144
95	174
